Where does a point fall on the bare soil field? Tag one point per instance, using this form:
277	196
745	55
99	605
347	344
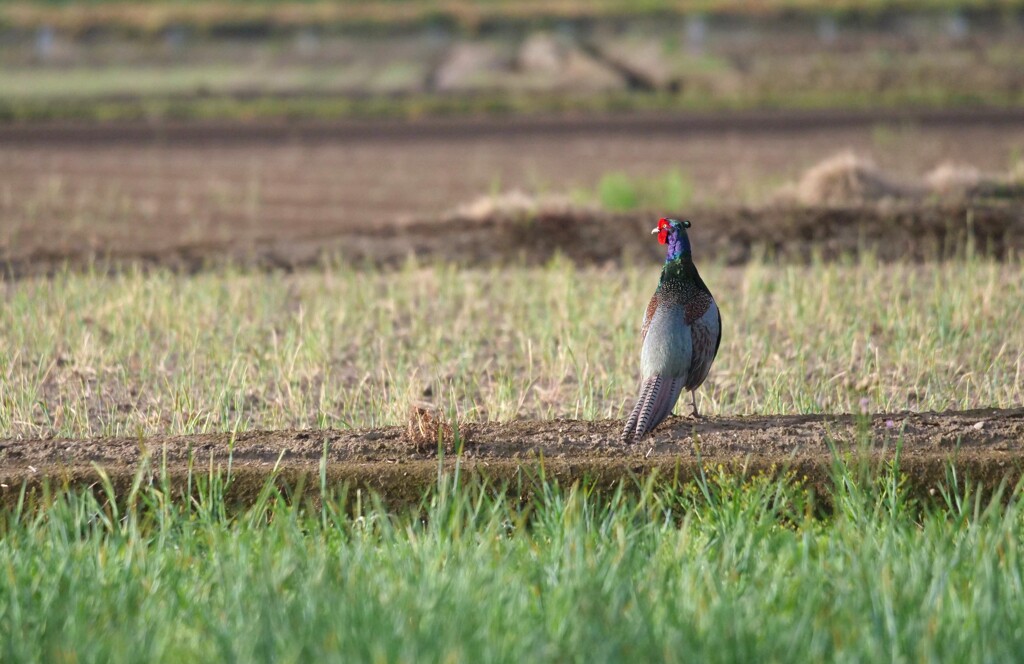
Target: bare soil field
985	446
289	195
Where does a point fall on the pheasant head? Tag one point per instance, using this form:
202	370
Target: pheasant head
672	232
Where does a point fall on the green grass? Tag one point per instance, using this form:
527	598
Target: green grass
619	192
121	80
718	571
126	83
88	355
323	105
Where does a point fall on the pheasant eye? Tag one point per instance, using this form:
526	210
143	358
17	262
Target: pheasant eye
663	224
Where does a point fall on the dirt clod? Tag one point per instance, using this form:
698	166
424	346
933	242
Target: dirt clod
428	430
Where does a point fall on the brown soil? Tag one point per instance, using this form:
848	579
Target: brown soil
281	195
734	235
986	446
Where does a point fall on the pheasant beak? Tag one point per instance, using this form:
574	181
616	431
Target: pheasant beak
655	231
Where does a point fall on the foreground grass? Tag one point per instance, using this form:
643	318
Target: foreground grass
718	571
85	355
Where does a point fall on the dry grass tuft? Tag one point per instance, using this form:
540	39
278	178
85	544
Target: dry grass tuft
515	204
962	181
427	428
952	179
846	178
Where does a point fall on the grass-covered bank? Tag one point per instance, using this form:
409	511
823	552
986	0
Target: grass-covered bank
724	570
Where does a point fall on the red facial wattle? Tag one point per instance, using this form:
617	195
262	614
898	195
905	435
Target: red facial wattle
663	227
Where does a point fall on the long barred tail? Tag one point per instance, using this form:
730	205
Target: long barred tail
657	398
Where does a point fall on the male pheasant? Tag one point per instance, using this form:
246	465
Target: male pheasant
681	333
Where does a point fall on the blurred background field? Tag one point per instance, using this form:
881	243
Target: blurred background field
408	58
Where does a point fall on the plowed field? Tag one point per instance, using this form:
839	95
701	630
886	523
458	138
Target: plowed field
288	195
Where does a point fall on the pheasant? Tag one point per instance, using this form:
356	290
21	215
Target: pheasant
681	333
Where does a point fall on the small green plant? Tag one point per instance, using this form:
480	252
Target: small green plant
671	192
617	191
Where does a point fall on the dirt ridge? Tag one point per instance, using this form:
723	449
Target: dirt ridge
985	445
476	127
733	235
